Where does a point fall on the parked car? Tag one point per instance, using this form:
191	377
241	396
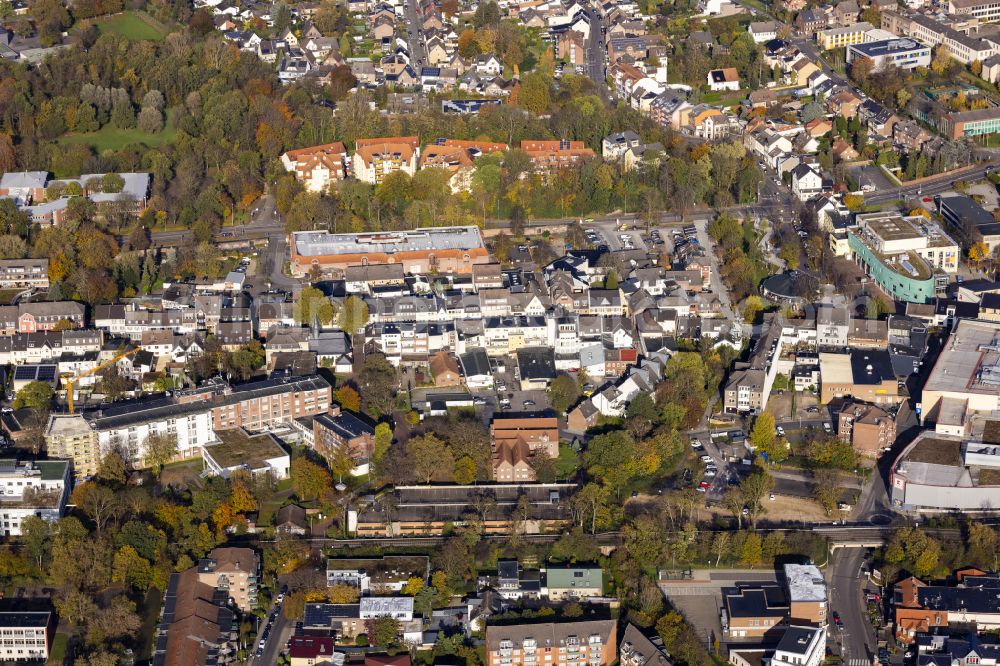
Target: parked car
780	431
706	458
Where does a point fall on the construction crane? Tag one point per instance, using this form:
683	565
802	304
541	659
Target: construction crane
70	380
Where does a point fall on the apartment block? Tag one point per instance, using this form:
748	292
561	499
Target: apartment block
70	437
24	273
233	571
31	488
593	643
374	159
870	429
27	636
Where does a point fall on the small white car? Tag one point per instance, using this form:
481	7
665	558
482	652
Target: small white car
706	458
780	431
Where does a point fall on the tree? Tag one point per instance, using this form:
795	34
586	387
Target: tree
383	440
353	315
12	247
160	449
465	470
752	307
826	491
763	435
753	488
377	380
150	120
309	480
97	501
752	550
131	569
563	392
35	395
487	14
382	631
533	94
430	459
611	281
942	61
978	253
348	399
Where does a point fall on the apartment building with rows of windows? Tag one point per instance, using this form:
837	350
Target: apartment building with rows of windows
587	643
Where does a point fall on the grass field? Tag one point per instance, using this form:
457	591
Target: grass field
131	25
57	655
112	138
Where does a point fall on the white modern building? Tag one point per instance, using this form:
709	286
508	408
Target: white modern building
27	636
903	52
32	488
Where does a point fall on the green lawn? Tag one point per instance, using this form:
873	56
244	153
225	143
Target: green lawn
57	655
132	26
112	138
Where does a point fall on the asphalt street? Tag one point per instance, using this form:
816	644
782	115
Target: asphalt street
597	52
857	637
414	39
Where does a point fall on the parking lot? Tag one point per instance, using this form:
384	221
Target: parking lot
699	598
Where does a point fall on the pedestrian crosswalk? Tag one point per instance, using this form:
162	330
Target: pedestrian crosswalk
858	662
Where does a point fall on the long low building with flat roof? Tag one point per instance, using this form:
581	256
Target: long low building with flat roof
947	472
966	377
905	53
441	249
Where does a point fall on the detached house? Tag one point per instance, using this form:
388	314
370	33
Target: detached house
724	79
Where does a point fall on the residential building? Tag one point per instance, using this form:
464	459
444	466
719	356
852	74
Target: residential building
431	510
724	79
40	316
259	454
458	157
516	440
800	646
340	430
763	31
32	488
745	392
196	626
24	273
572	582
318	167
70	437
195	416
637	649
593	642
548	157
440	249
614	146
377	575
870	429
808	602
233	571
346	621
27	635
374	159
311	651
904	53
806	181
753	612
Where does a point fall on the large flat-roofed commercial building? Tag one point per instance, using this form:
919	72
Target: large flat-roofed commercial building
904	53
907	257
945	472
864	375
966	377
441	249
